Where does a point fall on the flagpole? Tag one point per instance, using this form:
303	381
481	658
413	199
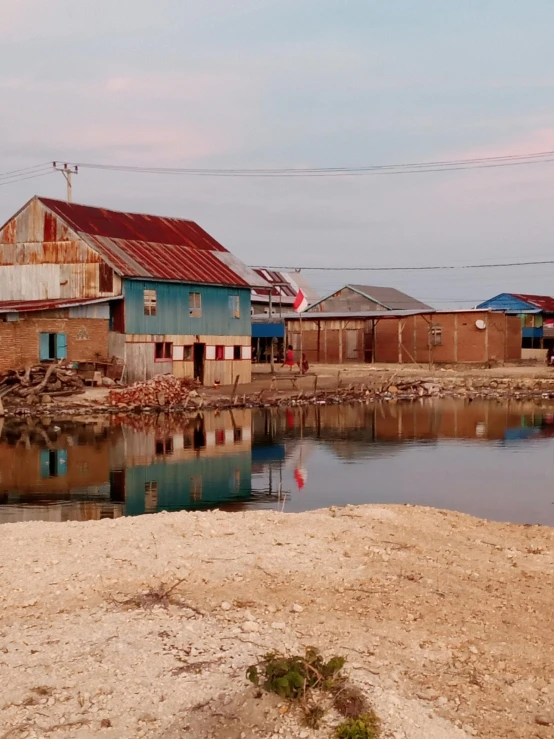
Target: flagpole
301	343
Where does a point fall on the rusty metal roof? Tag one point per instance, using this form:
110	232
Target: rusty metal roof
138	245
544	302
24	306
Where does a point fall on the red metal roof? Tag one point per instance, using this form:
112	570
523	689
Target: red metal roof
23	306
137	245
544	302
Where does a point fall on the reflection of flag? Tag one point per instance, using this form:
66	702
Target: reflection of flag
300	475
300	302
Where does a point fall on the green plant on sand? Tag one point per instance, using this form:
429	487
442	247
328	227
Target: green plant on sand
365	726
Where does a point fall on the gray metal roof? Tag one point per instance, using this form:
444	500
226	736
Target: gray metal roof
325	315
390	297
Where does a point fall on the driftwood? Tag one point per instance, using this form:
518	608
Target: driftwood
42	379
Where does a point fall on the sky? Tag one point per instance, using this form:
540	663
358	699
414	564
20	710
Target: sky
299	83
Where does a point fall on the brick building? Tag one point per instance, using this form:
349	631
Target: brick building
160	294
442	337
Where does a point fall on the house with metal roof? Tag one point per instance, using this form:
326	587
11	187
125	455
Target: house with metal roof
160	294
537	319
358	298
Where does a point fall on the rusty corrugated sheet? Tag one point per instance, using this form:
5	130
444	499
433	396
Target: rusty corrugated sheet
544	302
23	306
137	245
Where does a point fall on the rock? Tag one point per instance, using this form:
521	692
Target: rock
545	720
250	627
297	608
278	626
108	382
161	399
46	399
428	695
392	389
225	606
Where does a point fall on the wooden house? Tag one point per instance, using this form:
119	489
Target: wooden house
158	293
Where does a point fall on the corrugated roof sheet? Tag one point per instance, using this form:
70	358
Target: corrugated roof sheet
138	245
285	287
390	297
23	306
544	302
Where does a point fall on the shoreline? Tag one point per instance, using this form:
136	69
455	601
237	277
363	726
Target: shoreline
445	620
324	389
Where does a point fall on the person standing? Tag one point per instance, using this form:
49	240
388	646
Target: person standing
289	358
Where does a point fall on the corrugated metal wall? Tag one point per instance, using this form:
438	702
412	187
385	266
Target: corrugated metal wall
41	259
172	313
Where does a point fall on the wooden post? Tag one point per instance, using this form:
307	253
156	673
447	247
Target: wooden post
399	341
234	394
487	339
326	358
373	340
340	343
271	359
456	338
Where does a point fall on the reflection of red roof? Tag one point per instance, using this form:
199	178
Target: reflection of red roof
138	245
544	302
23	306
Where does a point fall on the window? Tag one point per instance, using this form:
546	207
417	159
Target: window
195	305
53	463
164	446
187	353
435	334
234	306
236	352
219	352
163	350
52	346
150	302
237	434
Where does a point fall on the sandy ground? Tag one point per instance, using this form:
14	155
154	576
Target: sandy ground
446	620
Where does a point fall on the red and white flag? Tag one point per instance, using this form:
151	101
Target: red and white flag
300	303
300	476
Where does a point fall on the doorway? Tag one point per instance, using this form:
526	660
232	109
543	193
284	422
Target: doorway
199	352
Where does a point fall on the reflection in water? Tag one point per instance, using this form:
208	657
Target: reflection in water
488	458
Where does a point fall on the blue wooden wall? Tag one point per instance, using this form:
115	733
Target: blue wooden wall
172	316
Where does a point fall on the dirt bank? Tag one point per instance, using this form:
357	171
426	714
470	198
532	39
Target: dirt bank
446	621
323	385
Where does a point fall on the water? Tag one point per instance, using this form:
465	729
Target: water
490	459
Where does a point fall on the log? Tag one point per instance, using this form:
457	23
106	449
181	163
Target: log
37	388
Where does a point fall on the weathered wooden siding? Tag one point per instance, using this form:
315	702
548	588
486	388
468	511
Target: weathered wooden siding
173	315
42	259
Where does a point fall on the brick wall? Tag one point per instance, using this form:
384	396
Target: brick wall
19	340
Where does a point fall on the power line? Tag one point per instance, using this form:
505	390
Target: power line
405	269
29	177
406	168
24	169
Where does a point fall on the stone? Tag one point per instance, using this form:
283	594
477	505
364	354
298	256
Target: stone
108	382
46	399
250	626
225	606
297	608
278	626
545	720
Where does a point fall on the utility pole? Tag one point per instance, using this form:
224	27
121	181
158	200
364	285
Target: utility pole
67	172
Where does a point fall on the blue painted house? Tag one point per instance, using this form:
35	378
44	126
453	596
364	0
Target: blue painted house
536	312
169	297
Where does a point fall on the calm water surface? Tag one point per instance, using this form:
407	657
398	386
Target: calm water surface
490	459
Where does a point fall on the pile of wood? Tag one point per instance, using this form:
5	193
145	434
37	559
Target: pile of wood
160	391
40	383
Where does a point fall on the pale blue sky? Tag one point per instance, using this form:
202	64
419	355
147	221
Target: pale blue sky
238	83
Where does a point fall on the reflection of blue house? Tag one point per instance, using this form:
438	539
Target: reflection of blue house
198	482
537	316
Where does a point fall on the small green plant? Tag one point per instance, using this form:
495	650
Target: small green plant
366	726
292	677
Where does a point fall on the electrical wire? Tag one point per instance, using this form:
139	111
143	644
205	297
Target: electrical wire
406	269
25	170
29	177
406	168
